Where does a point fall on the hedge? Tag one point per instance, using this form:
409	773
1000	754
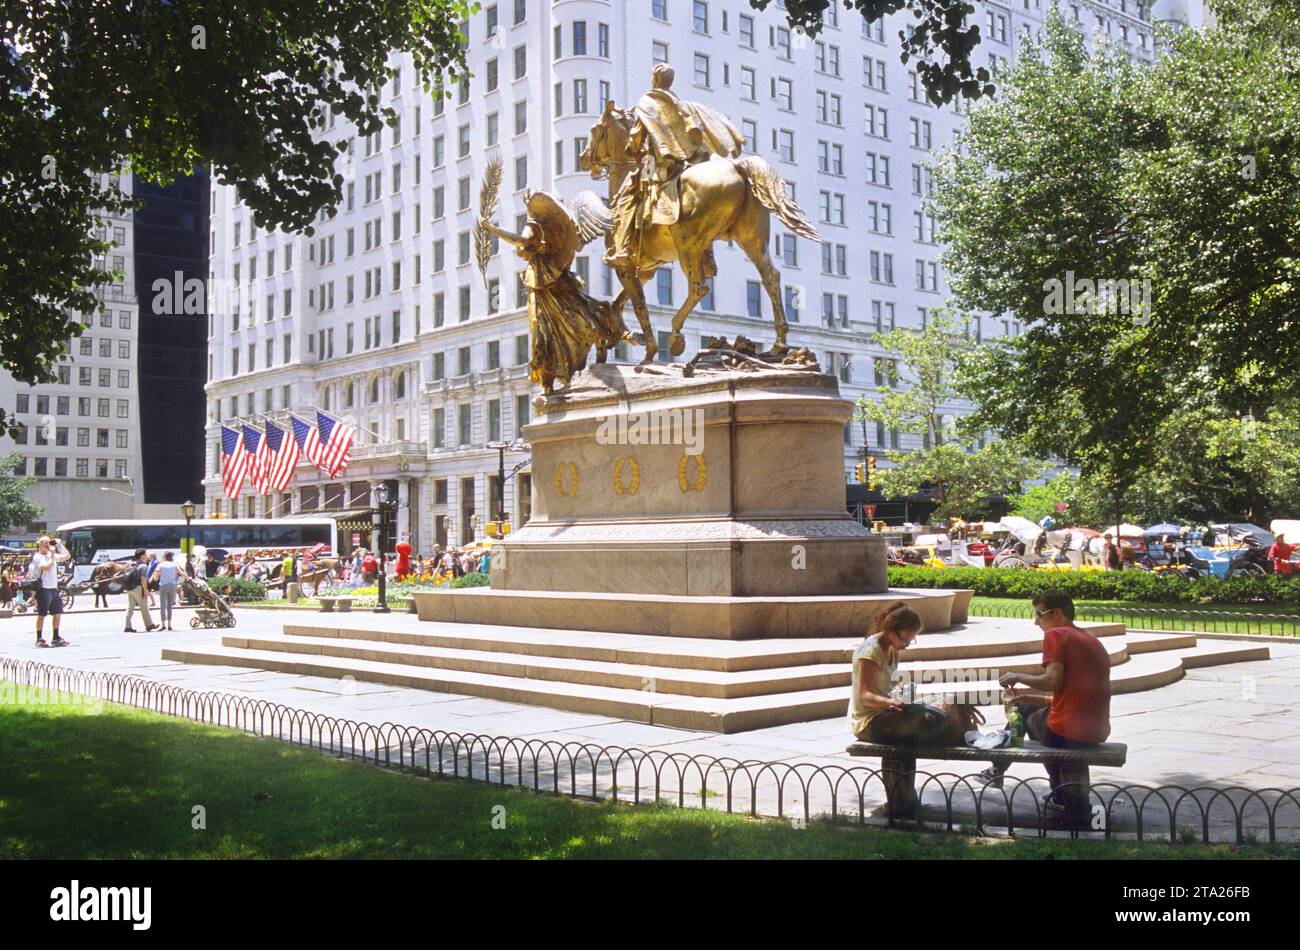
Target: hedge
1136	586
471	580
237	588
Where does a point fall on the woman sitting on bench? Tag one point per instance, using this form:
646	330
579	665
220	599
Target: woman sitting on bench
874	715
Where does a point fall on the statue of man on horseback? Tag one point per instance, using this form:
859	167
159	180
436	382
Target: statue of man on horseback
678	182
668	135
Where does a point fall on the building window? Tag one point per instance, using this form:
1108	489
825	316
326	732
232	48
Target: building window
664	286
702	70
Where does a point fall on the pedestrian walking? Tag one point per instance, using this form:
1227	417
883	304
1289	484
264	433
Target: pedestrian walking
136	582
44	570
149	570
166	575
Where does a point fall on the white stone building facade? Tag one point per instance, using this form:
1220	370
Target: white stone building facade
382	318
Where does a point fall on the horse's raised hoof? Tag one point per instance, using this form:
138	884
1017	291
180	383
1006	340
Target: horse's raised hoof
648	359
676	344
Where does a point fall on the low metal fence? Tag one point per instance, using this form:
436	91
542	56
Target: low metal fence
1192	620
798	792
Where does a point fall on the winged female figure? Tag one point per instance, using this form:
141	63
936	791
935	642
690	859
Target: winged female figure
564	321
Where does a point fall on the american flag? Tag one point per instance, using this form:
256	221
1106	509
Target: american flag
234	462
258	458
336	436
307	440
283	458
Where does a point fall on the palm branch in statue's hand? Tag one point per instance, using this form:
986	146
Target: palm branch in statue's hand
489	196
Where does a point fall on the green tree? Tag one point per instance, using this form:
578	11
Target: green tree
931	356
89	89
16	509
1086	501
962	480
939	41
915	401
1180	178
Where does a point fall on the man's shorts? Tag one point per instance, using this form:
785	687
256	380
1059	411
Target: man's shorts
48	601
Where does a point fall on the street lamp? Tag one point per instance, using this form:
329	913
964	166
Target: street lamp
187	510
518	445
128	494
377	521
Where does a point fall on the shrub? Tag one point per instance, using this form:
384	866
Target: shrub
238	589
472	580
1135	586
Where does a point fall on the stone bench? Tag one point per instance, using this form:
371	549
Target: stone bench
899	768
327	604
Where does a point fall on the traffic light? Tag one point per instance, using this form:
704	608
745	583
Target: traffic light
871	473
859	472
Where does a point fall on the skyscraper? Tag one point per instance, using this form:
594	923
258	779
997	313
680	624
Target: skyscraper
119	434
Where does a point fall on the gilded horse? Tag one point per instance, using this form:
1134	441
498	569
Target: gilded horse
722	199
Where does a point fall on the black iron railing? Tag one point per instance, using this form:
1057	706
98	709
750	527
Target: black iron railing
1193	620
791	791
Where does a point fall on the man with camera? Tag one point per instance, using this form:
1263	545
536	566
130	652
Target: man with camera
44	570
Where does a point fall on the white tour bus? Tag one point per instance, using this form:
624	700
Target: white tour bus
95	542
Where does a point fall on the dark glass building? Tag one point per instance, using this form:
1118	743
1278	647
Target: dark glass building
171	239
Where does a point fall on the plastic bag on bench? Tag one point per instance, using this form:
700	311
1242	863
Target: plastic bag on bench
997	739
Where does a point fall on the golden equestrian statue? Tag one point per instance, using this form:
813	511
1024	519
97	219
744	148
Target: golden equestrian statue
676	185
564	322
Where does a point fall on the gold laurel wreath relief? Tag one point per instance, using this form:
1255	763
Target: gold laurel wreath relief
701	473
631	488
572	469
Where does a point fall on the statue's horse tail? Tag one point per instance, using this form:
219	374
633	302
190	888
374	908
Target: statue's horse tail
769	188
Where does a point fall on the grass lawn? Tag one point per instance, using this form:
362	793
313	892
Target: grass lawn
106	781
1208	618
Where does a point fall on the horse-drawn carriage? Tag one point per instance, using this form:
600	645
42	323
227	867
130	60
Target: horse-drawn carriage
19	593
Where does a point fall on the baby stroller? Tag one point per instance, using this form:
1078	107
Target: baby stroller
213	610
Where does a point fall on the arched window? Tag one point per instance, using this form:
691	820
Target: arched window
400	386
325	398
374	390
350	401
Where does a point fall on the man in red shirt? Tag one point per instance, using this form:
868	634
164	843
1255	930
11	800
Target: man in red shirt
1076	672
1280	554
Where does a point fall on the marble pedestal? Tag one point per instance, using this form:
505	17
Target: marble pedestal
729	483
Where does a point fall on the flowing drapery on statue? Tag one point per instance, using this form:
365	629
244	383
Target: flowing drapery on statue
564	321
668	135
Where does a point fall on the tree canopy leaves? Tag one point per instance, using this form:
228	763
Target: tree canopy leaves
1181	178
89	89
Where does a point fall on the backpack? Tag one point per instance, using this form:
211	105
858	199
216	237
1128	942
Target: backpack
132	580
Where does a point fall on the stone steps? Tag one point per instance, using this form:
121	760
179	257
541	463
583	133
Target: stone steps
697	689
973	641
617	675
